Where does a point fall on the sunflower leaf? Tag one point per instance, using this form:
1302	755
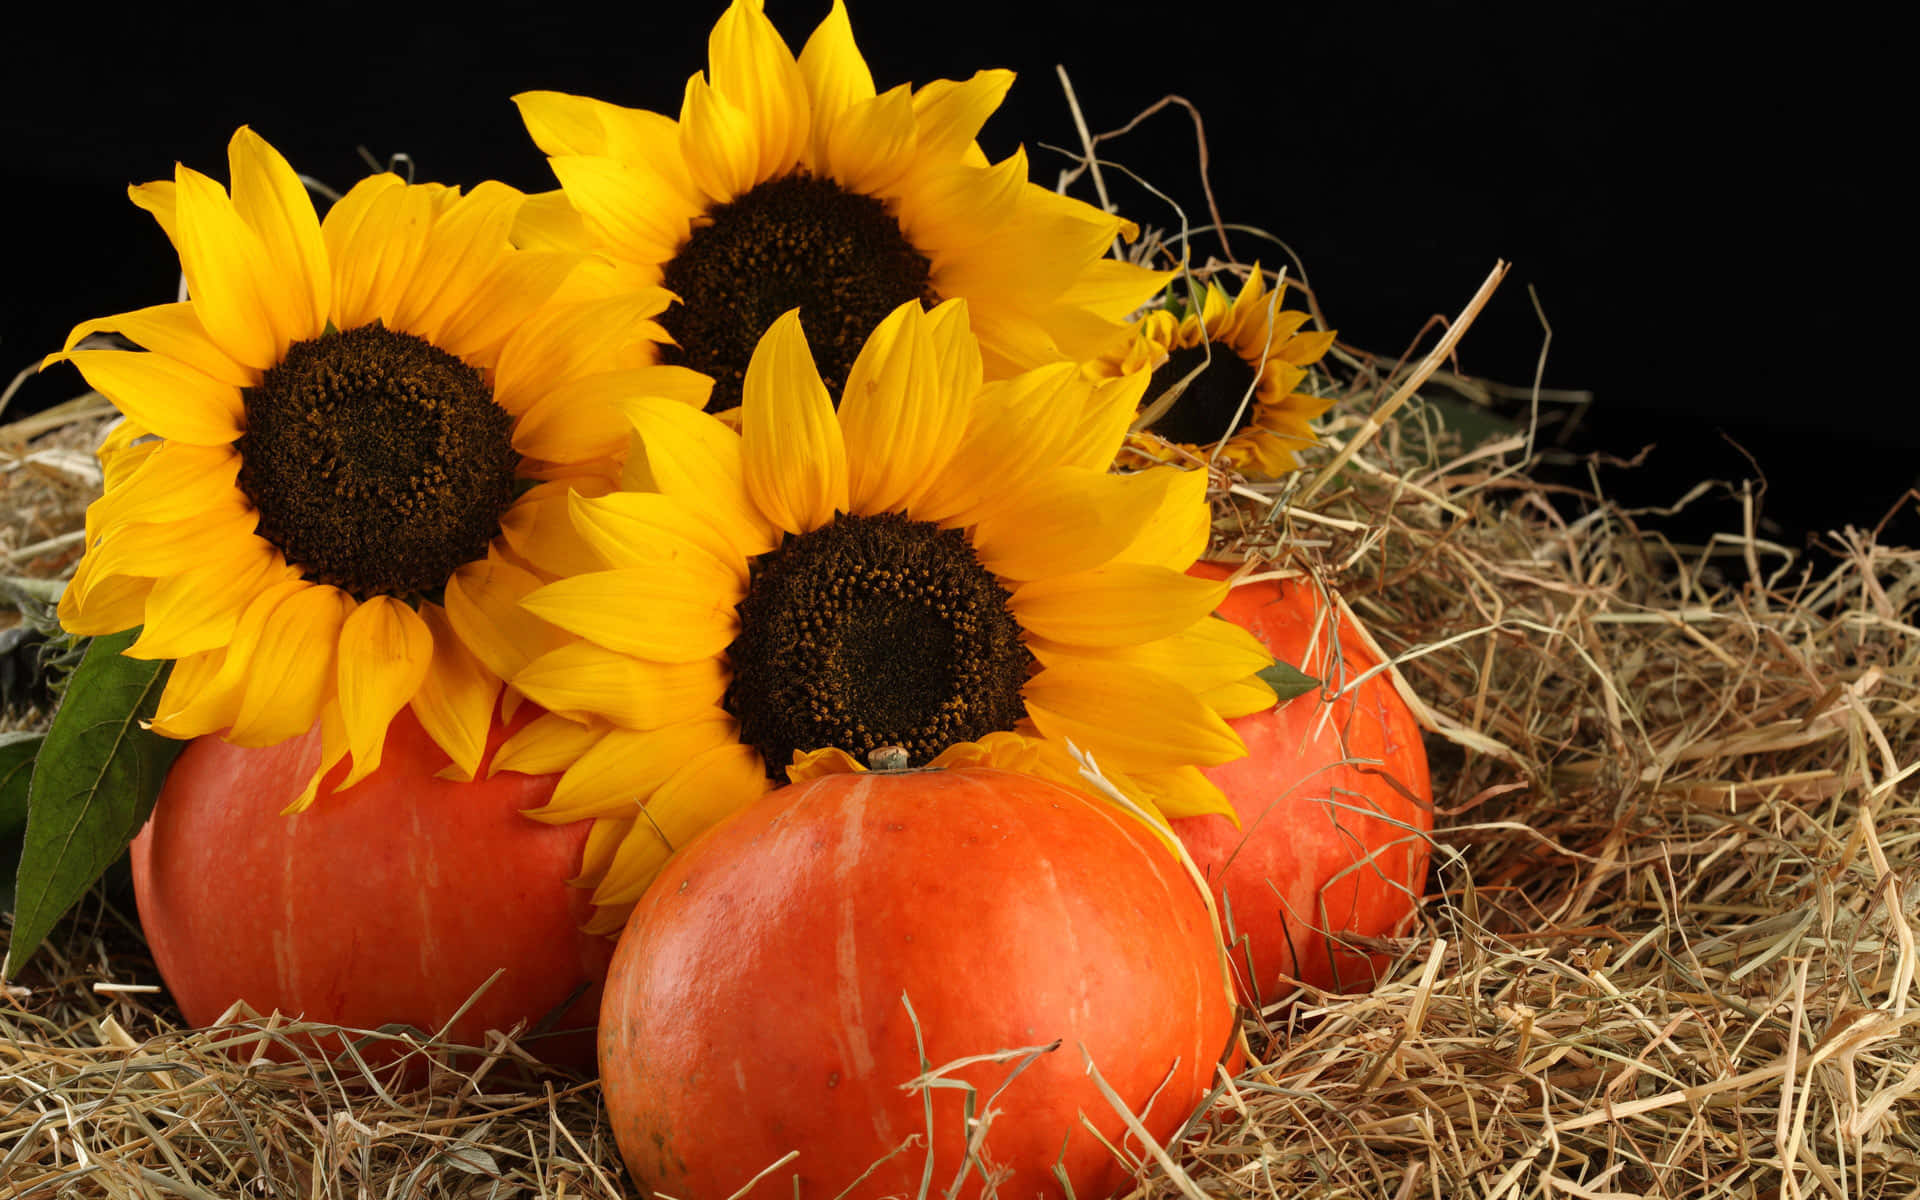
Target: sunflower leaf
1288	681
93	784
16	767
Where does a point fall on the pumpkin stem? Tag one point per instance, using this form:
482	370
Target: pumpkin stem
888	758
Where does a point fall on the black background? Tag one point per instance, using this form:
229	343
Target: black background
1674	193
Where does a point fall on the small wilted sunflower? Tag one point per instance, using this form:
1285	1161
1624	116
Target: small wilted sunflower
791	183
941	565
338	459
1251	355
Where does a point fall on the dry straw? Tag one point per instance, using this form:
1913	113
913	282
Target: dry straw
1669	946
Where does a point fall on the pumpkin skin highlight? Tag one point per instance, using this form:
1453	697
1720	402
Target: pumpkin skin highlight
388	902
1326	847
754	1005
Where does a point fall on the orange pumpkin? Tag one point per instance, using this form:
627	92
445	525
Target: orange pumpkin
1333	800
389	902
758	1001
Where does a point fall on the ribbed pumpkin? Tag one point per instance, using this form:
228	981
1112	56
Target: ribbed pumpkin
388	902
1333	799
758	1002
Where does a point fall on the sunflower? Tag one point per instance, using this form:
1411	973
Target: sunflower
789	182
340	457
1250	355
939	564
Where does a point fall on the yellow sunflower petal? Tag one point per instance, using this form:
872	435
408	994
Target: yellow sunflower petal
1177	533
1013	751
606	837
1261	453
870	146
122	449
1120	604
290	673
1210	654
956	348
628	207
713	786
1182	792
1134	718
549	222
664	616
752	67
901	426
961	208
333	748
1252	301
1106	413
161	200
189	677
1309	347
170	330
539	530
385	651
1069	519
461	249
455	700
836	74
814	764
195	611
582	680
167	397
177	481
209	698
564	124
582	419
244	307
697	460
273	202
509	310
221	536
1113	289
626	766
1037	255
1011	340
718	142
545	745
650	530
375	238
792	453
1214	317
356	221
483	603
110	604
950	113
576	126
1238	699
561	343
1016	431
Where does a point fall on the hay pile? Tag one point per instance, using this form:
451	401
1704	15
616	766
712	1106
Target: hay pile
1668	947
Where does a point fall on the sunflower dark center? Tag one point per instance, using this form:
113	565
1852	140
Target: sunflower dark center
793	242
1204	413
379	463
874	631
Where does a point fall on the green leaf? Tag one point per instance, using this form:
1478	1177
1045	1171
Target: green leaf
1288	681
94	782
16	768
